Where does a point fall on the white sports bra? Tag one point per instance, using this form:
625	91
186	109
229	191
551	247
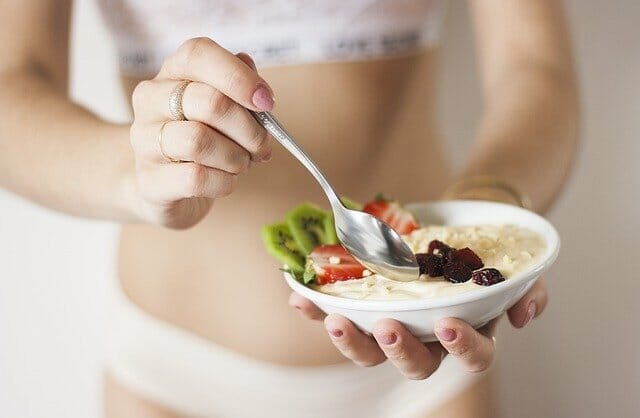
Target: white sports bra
273	32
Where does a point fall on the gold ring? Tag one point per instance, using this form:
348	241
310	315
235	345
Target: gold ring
494	342
164	154
175	101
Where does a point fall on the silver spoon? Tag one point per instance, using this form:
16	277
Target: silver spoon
374	243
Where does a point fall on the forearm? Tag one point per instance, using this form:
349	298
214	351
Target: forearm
528	134
58	154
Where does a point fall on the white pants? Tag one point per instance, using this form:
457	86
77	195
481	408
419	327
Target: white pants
192	376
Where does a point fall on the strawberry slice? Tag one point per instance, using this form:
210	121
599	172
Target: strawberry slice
333	263
390	212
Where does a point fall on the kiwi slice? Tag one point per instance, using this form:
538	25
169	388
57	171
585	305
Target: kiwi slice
329	224
281	244
306	223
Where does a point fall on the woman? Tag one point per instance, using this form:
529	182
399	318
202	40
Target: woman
200	323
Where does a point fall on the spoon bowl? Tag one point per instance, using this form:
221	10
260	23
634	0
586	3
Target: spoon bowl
375	244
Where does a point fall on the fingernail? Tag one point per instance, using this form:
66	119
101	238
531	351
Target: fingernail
336	333
387	338
262	99
531	312
445	334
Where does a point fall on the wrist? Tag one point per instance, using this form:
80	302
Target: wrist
486	187
127	198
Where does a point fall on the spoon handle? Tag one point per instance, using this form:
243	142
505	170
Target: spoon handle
271	124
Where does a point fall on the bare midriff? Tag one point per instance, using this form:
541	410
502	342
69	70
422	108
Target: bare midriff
371	126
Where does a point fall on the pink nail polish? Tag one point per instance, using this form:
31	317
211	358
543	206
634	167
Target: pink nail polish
336	333
446	334
262	99
388	339
531	312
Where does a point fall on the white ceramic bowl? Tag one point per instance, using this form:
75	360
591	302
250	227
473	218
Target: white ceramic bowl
476	307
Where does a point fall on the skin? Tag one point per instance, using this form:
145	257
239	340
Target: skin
190	231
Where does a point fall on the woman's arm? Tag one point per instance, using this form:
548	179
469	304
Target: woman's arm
529	130
60	155
52	151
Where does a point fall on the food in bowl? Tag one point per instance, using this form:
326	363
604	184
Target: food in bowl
420	316
452	259
501	251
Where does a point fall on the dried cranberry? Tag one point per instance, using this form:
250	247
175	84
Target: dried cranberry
457	272
468	257
487	277
430	264
439	248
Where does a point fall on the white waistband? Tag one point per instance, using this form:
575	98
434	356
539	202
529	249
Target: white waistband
137	59
193	376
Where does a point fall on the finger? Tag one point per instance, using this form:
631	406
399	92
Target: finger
530	306
201	59
203	103
196	142
306	307
353	344
246	58
414	359
474	350
175	181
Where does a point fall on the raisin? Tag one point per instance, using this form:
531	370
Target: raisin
421	258
439	248
430	264
457	272
468	257
487	277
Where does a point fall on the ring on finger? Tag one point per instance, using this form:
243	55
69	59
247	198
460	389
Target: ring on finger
175	101
164	154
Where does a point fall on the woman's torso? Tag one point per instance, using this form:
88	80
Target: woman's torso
370	126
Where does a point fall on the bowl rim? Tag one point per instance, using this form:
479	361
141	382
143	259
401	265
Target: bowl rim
553	248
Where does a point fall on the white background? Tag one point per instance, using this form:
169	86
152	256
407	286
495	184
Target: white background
581	359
